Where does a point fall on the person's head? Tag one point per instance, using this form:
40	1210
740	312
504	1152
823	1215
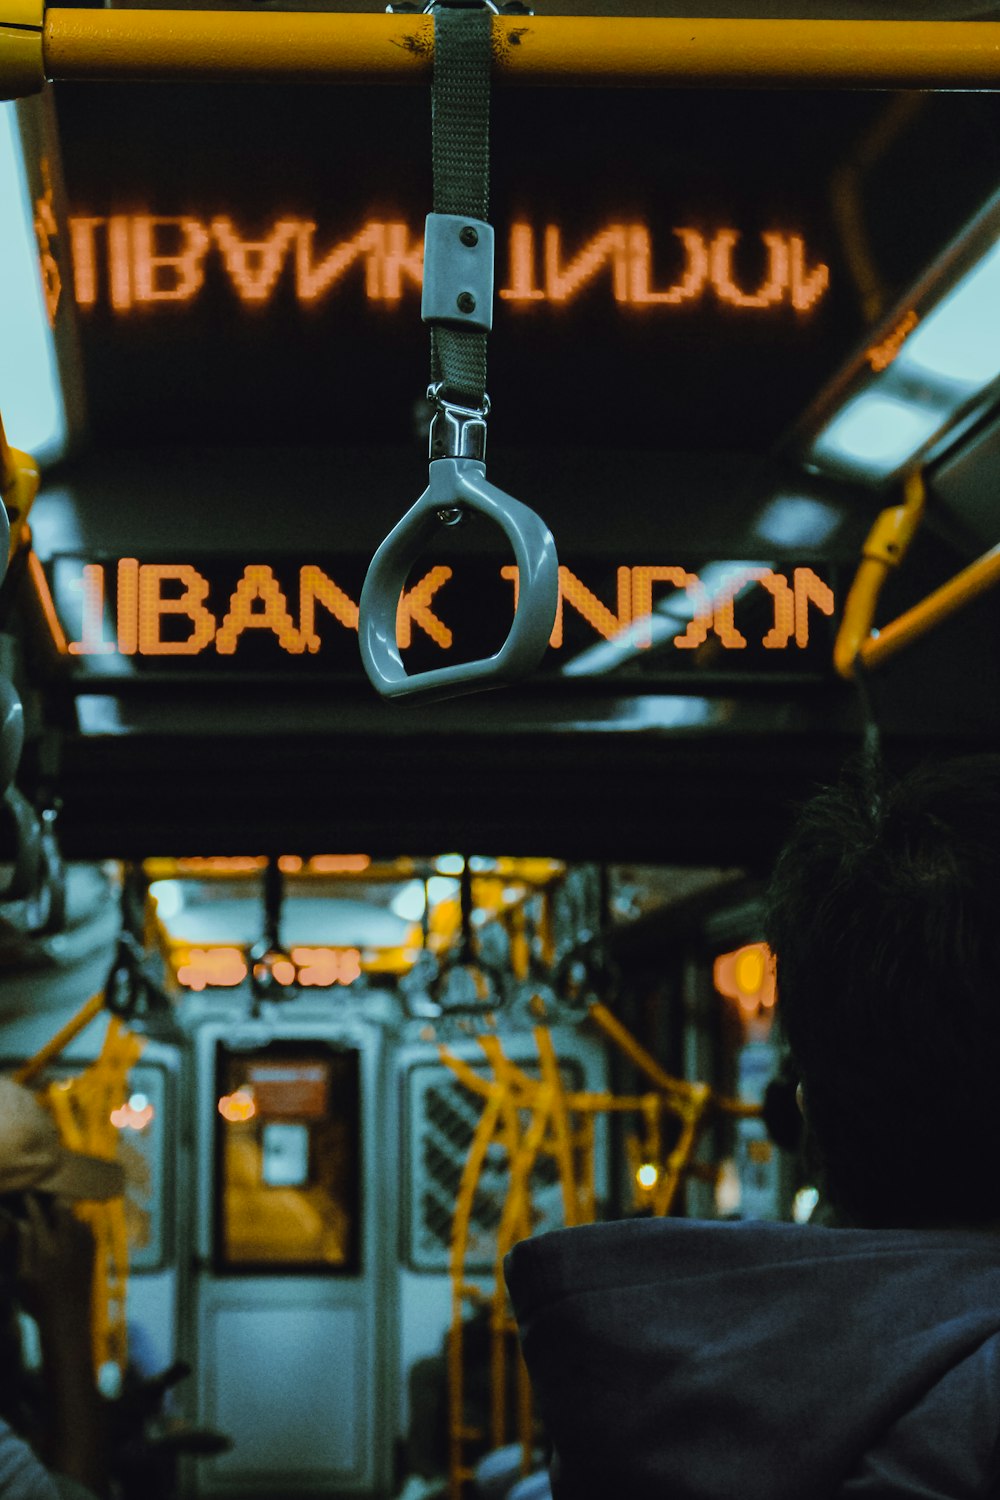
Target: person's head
884	917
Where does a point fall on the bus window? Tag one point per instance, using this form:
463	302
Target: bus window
287	1143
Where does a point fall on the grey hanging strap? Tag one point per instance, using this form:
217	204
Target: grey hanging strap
458	248
458	304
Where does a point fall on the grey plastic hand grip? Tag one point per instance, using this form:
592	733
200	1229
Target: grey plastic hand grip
459	482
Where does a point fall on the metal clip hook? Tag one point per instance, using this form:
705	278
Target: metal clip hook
457	431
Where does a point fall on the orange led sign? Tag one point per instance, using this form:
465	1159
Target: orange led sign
222	966
131	261
880	356
148	610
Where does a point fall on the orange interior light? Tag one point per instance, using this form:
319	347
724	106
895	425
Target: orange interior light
747	975
238	1106
127	1117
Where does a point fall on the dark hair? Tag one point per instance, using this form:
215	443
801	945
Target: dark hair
884	915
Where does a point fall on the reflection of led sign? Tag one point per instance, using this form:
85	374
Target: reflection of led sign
139	260
46	233
146	595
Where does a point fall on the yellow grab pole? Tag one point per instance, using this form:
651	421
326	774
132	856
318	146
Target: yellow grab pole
596	50
56	1044
636	1053
885	547
978	578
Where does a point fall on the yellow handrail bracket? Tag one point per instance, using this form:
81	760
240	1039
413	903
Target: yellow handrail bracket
19	478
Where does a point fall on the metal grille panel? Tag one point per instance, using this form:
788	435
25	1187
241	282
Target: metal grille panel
442	1117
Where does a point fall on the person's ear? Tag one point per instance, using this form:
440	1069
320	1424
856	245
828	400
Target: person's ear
800	1100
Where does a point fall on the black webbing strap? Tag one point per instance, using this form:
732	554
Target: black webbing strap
460	126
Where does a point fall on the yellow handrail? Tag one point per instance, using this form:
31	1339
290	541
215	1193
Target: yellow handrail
81	1107
885	547
978	578
529	1118
30	1070
69	43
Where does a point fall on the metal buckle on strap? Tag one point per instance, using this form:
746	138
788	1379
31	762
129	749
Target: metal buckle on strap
460	5
457	431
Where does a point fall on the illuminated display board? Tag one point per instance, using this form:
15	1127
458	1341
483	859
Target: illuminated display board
636	620
134	262
675	268
242	255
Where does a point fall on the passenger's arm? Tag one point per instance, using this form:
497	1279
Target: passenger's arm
55	1275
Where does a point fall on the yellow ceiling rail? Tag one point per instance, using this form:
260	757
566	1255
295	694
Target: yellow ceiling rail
884	549
595	50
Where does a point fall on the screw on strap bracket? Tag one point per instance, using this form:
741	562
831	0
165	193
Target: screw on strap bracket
458	271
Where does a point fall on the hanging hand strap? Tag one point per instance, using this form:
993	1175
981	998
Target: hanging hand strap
460	113
458	304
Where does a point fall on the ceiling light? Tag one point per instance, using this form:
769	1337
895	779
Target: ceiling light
926	375
960	340
876	434
796	521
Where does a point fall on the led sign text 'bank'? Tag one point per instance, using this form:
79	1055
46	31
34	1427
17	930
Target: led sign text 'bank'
127	261
157	609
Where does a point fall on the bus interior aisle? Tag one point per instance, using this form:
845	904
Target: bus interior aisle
362	992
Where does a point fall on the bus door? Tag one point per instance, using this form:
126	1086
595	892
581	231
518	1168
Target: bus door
290	1320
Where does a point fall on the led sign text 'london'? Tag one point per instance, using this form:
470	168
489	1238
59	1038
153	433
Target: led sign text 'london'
142	260
146	595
